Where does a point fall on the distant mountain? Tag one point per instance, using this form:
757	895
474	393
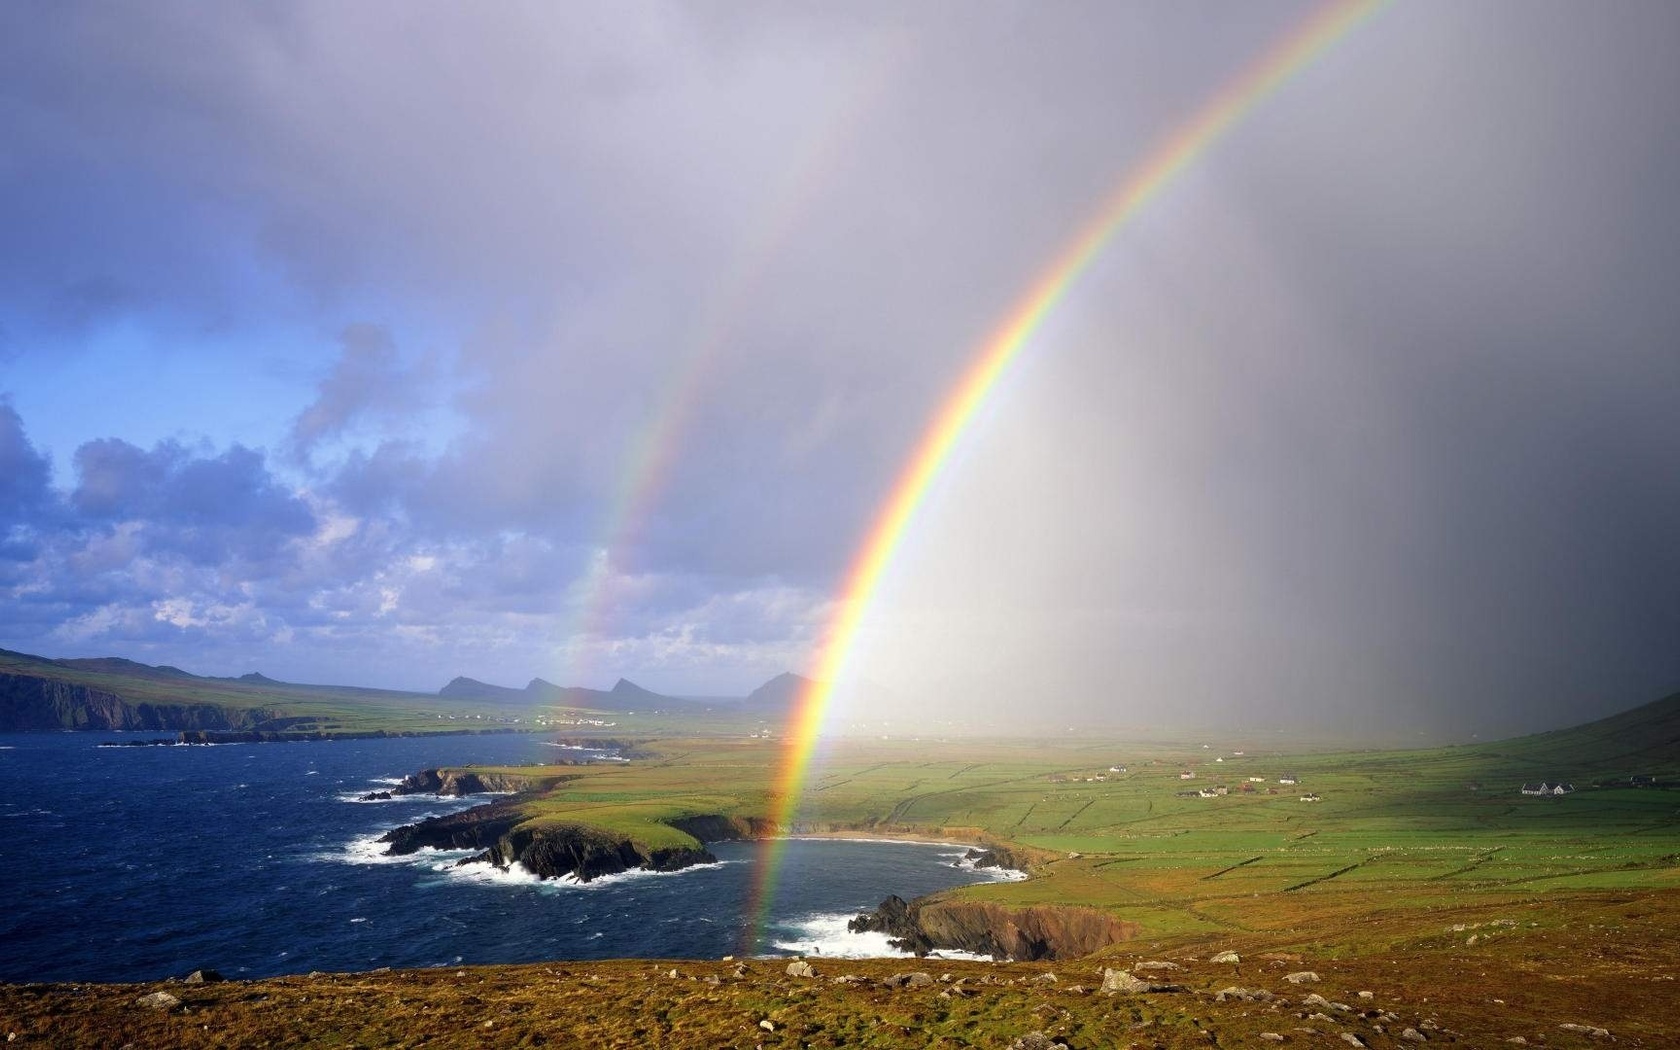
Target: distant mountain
777	695
623	696
472	689
625	691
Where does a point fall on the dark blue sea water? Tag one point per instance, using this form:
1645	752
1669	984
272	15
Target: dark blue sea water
139	863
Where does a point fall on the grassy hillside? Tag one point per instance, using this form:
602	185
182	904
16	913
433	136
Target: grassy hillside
1396	833
73	694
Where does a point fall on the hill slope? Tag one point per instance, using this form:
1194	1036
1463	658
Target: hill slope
1642	740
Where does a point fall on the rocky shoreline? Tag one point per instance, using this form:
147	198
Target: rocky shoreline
1036	932
505	833
200	737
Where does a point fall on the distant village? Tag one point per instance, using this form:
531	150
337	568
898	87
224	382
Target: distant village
1256	785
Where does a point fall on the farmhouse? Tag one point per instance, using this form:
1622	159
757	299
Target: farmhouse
1187	794
1544	788
1256	780
1311	796
1188	774
1289	778
1642	780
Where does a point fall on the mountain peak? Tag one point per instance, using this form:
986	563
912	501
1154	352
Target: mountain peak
780	692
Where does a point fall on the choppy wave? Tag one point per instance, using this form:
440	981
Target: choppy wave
823	935
995	874
637	874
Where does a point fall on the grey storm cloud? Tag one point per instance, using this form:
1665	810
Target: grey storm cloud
25	472
170	486
369	379
1367	418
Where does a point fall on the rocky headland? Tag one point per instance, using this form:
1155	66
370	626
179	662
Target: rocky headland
506	832
1040	931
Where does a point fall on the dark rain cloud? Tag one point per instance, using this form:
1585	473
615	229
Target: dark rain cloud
1366	420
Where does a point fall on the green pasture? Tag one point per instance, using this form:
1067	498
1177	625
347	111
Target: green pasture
1396	837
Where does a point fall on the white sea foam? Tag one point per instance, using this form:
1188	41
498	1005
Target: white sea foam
995	874
488	874
369	849
477	798
823	935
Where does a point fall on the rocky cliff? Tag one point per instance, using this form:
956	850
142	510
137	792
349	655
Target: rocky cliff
457	782
1039	931
32	703
506	835
560	850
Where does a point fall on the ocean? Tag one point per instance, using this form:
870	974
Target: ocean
140	863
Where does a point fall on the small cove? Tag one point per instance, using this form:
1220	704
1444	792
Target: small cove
128	864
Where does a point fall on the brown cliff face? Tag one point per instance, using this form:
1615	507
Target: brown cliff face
1040	931
29	703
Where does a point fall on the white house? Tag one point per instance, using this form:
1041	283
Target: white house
1289	779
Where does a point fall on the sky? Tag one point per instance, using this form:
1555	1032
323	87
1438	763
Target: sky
381	343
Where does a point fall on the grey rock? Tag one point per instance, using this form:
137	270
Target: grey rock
159	1001
1157	964
1122	981
1226	957
1412	1035
208	976
800	968
1271	1037
1247	995
1353	1040
1586	1029
1301	977
1045	978
767	1025
1035	1041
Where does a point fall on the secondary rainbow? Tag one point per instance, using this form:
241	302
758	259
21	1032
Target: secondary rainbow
654	449
1294	52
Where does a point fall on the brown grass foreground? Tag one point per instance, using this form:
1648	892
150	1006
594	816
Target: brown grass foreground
1524	978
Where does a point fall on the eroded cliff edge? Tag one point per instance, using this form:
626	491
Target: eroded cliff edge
1038	931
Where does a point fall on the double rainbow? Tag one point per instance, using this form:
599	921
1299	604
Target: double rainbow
1294	52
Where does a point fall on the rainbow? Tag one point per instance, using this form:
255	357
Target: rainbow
1292	53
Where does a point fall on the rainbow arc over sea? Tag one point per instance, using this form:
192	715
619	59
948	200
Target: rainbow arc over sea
1297	49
